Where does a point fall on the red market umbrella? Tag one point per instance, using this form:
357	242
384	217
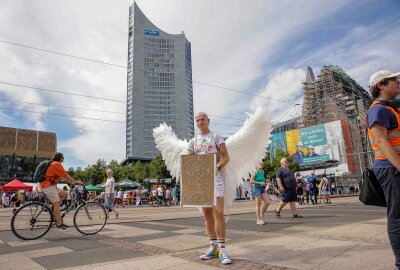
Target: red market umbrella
16	185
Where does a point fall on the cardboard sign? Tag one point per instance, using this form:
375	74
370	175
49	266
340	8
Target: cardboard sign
198	180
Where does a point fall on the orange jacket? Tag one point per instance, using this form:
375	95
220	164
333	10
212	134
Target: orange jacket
392	135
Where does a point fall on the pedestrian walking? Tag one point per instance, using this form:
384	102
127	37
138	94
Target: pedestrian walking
260	194
137	196
287	185
299	188
383	122
120	198
326	189
110	193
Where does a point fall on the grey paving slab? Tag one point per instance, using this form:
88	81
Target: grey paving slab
153	263
83	257
150	226
46	252
79	244
151	236
18	261
6	249
363	256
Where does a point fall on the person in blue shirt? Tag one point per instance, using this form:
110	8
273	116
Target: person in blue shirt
383	121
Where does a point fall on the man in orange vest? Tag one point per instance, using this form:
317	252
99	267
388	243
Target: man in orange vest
383	120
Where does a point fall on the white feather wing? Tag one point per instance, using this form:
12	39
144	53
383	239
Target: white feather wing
170	147
246	149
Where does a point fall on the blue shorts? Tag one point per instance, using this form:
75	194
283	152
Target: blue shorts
258	191
109	202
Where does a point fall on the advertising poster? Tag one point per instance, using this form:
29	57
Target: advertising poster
314	145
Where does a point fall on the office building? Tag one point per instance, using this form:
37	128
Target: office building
21	150
159	86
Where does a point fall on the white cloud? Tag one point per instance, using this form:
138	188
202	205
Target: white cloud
283	86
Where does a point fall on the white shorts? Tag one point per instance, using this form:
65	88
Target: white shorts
52	193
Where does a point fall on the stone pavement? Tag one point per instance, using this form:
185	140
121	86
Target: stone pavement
344	235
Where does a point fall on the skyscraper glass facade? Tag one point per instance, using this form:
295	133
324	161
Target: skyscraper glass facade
159	86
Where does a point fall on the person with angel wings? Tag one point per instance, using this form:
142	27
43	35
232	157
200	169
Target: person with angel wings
236	158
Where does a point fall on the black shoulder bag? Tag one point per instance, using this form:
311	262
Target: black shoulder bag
371	192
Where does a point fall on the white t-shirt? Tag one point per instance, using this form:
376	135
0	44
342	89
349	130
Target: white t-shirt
120	194
154	192
108	185
206	144
167	193
160	191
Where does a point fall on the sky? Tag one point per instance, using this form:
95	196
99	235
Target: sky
261	47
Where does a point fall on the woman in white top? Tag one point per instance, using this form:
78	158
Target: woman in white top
110	193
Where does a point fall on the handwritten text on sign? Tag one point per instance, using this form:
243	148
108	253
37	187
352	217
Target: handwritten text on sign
198	180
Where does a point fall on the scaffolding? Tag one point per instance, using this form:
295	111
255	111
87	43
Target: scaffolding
332	96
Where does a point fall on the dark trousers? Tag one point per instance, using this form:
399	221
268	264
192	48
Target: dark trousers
309	195
389	179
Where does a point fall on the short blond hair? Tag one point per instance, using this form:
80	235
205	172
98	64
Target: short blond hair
201	114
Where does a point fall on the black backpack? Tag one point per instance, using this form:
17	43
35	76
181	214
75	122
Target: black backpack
40	172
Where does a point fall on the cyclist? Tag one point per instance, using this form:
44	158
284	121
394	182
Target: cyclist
55	195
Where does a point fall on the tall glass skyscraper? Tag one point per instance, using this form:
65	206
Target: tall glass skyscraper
159	85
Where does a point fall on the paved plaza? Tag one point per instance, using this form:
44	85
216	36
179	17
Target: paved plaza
344	235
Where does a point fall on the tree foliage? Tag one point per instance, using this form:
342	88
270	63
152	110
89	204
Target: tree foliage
96	173
272	164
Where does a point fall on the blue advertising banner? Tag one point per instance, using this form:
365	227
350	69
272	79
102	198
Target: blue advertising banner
151	32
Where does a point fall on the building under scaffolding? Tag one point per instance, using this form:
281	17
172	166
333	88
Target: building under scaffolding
334	95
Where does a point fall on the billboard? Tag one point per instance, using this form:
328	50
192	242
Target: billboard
313	145
151	33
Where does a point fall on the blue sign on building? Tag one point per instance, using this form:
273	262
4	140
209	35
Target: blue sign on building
151	33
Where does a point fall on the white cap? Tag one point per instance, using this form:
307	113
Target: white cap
310	146
299	144
380	76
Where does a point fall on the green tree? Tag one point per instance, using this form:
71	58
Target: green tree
273	164
117	170
71	172
146	171
97	172
128	172
138	171
80	174
158	169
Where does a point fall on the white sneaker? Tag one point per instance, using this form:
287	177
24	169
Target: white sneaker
224	257
260	222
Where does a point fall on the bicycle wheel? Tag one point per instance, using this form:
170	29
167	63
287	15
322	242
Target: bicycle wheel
32	221
90	218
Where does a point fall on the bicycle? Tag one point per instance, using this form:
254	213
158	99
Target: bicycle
34	219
